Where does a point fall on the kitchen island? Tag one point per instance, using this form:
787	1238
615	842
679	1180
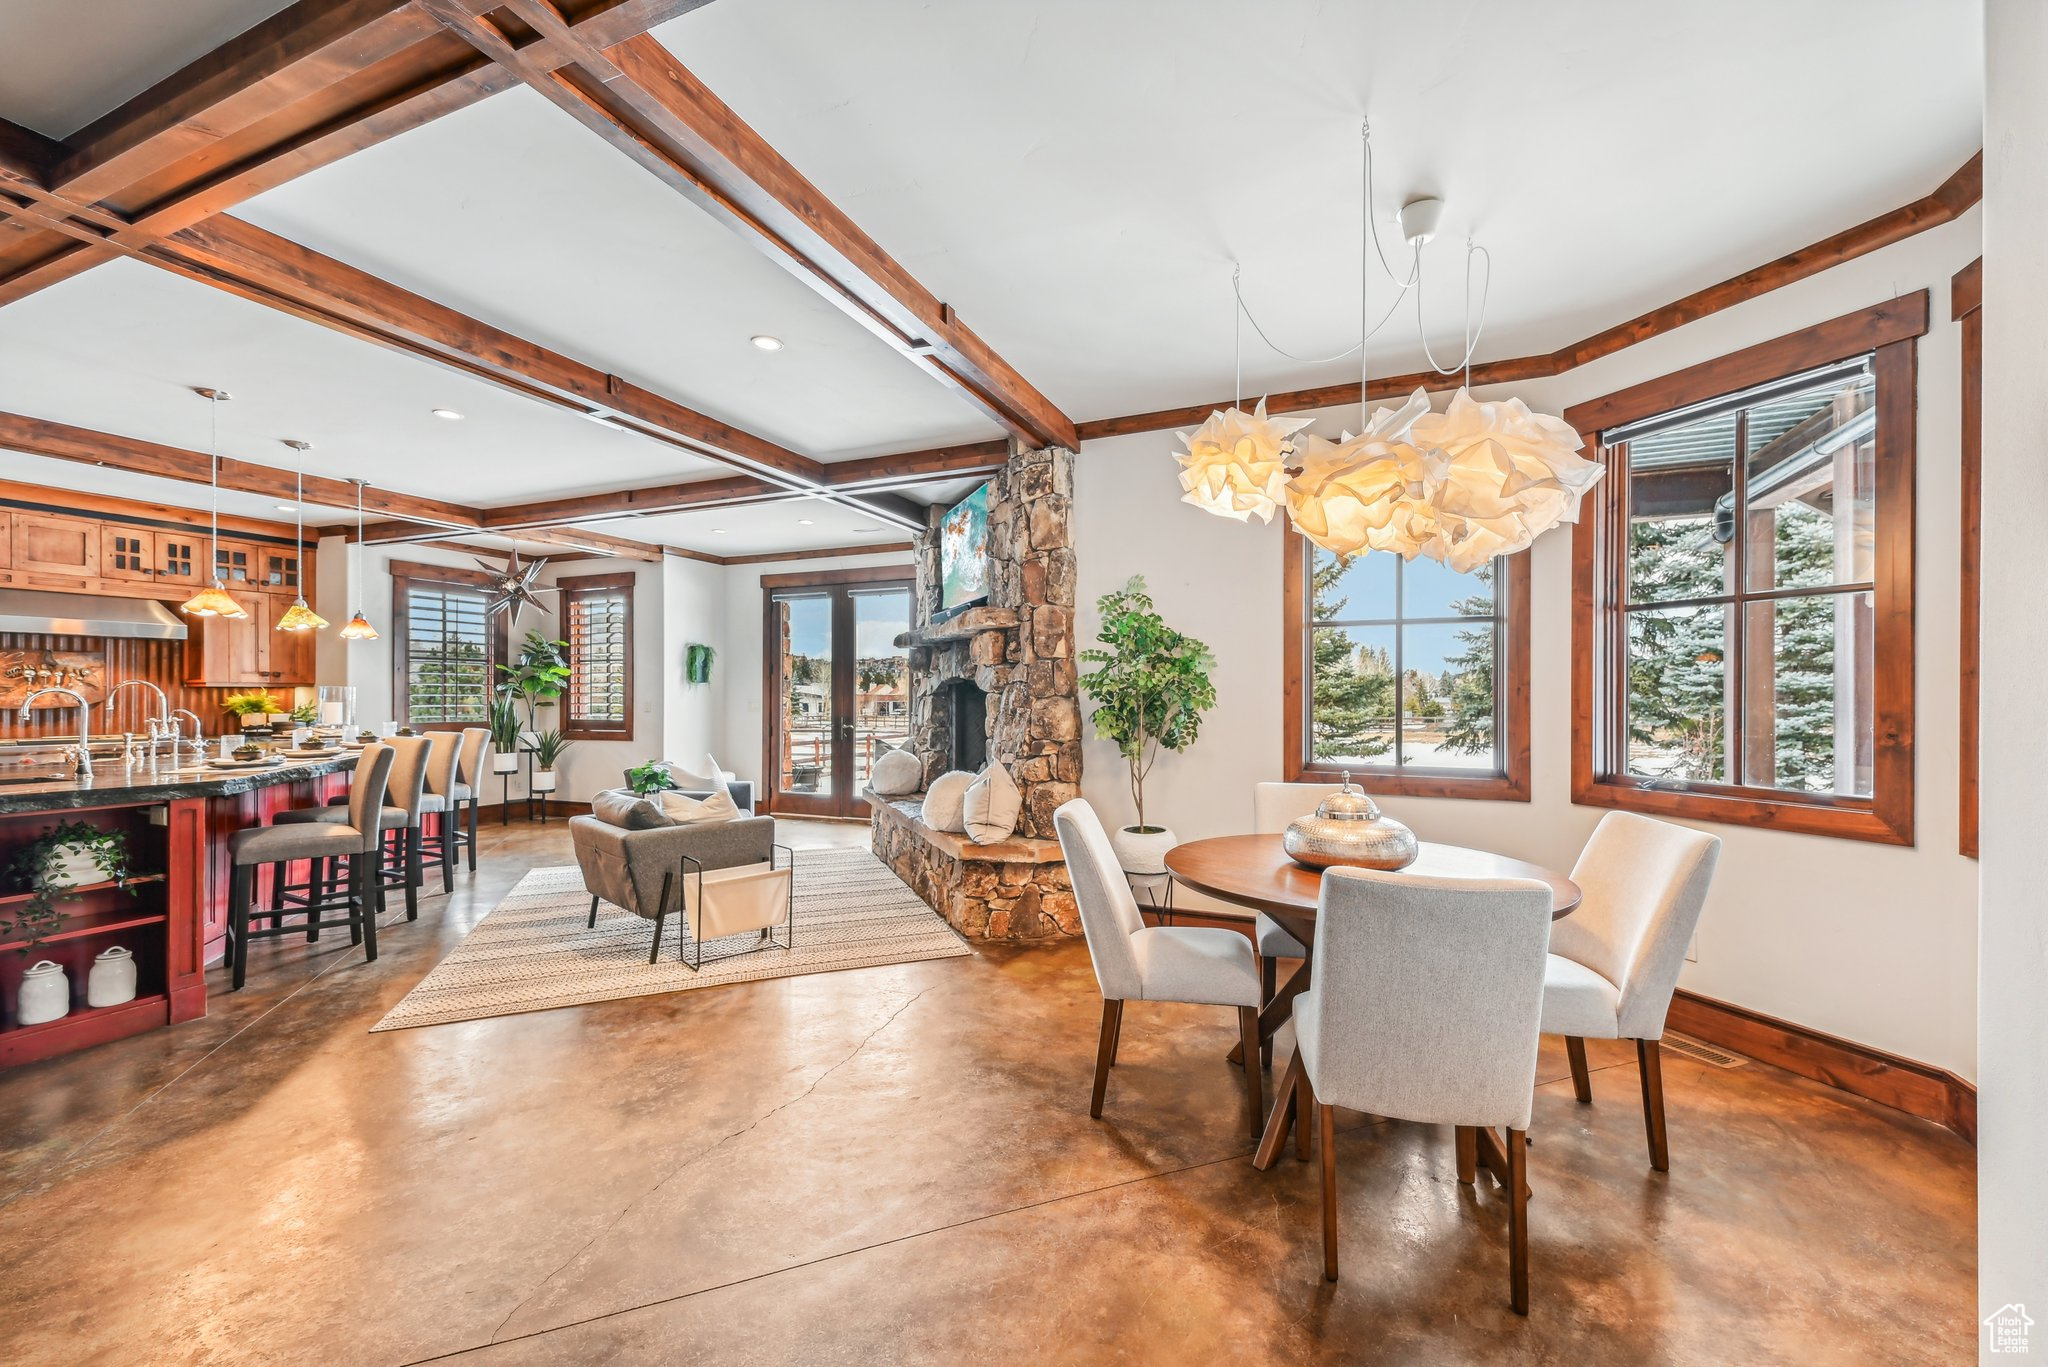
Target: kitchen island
171	913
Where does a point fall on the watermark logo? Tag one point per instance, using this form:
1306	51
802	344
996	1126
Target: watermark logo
2005	1329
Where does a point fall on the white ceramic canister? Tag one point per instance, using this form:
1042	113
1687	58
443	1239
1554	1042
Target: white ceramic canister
112	979
45	994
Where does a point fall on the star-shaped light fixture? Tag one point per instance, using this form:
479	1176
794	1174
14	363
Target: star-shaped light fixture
512	587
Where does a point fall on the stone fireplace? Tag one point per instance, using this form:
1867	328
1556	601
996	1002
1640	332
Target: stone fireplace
998	682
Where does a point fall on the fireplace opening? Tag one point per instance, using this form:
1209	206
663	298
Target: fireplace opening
963	708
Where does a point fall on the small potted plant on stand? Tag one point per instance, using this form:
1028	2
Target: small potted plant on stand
1150	688
253	710
548	747
505	731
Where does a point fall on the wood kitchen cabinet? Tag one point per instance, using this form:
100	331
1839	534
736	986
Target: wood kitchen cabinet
127	552
56	545
179	557
235	562
226	652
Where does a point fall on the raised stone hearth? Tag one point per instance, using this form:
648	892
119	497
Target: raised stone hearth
1017	650
1016	889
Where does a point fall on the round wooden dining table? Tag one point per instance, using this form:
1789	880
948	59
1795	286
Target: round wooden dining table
1255	871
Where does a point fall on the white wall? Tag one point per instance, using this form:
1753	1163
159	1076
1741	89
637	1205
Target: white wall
1870	942
2012	1111
740	661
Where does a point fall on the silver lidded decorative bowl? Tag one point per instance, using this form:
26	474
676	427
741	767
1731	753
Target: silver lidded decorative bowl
1347	829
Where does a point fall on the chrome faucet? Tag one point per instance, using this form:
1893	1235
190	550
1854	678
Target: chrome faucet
198	729
159	726
84	723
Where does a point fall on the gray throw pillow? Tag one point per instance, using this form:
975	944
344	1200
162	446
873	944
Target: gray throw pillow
628	811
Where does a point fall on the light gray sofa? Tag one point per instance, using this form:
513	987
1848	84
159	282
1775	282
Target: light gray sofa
742	791
642	870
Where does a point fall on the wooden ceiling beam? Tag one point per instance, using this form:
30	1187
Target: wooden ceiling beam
641	100
303	88
1945	203
578	539
60	441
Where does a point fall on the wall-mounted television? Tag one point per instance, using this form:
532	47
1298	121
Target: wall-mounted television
963	553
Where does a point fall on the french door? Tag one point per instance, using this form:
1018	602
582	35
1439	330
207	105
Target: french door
837	684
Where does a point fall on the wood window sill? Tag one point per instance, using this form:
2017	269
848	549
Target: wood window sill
1841	820
1393	783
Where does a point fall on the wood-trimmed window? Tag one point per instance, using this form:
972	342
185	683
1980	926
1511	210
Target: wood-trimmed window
1966	298
597	621
1412	678
445	646
1743	586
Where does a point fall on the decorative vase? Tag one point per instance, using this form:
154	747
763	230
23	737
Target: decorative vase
45	994
111	980
1143	851
73	867
543	780
1348	830
503	762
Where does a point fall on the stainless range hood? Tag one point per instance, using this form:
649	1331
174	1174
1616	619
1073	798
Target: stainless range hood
85	614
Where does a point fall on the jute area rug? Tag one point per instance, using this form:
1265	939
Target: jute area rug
532	952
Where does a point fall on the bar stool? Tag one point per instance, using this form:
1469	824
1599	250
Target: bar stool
469	764
444	748
404	810
353	836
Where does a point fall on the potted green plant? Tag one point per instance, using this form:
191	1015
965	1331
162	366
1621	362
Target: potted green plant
651	777
307	714
1151	686
505	730
253	710
548	747
538	677
51	869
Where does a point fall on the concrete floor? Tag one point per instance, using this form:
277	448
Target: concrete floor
896	1165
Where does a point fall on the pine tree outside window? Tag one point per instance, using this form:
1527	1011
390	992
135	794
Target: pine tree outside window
1410	677
1743	642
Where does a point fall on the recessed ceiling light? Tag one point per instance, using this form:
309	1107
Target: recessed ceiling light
765	342
718	531
448	413
803	522
287	507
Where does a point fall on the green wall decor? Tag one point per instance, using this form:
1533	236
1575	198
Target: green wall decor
697	663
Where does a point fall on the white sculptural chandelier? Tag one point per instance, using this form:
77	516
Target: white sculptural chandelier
1478	480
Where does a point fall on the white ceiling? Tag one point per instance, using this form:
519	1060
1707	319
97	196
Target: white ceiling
1075	178
756	528
512	212
63	63
119	348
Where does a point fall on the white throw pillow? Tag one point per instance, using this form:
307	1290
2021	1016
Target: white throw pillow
690	811
992	806
684	778
896	773
712	767
943	801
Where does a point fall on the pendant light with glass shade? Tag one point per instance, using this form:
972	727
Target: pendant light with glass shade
213	601
359	628
299	617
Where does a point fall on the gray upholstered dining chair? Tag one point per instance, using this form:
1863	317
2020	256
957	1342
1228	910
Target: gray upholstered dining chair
1274	807
1614	962
1423	1006
353	833
1137	962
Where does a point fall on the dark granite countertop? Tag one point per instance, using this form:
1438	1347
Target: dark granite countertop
114	786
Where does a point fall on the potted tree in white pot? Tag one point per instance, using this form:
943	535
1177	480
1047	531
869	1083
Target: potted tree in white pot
548	747
1151	686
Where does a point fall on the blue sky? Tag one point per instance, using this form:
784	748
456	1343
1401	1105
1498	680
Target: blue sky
878	620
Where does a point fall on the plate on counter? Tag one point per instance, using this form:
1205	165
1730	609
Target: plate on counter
268	762
331	752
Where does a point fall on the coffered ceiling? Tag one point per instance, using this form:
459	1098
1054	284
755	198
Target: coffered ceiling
1075	180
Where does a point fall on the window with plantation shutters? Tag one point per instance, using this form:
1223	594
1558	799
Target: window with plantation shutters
597	620
446	645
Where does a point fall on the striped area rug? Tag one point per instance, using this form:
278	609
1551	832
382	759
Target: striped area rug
533	952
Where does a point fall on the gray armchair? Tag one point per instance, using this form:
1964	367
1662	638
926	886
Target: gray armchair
641	871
